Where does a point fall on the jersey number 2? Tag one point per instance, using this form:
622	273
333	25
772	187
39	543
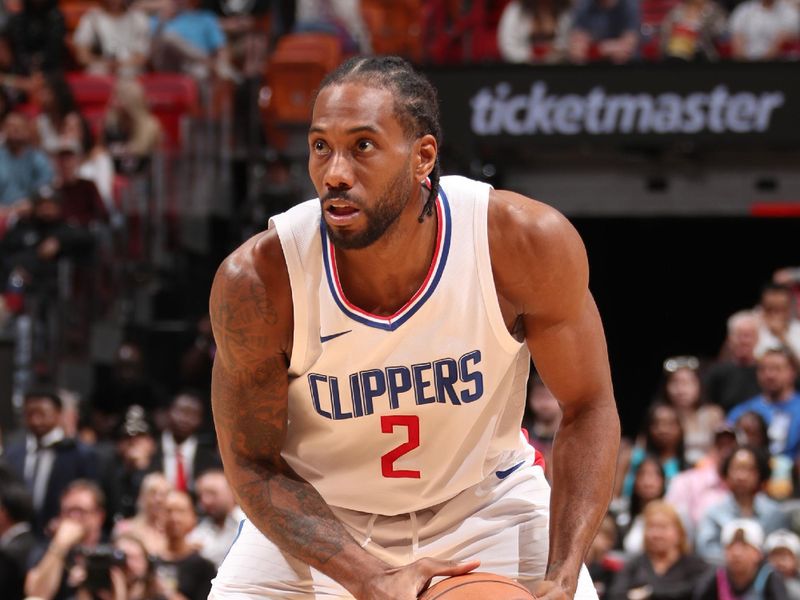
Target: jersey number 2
411	423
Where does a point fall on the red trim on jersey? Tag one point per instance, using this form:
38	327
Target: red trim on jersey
417	294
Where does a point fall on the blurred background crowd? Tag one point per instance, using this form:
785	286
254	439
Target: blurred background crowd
142	140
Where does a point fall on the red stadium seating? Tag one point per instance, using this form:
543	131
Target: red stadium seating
172	97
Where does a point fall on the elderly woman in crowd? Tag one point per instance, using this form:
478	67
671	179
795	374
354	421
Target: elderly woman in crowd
666	569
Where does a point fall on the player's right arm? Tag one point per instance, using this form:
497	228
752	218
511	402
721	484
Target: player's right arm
252	318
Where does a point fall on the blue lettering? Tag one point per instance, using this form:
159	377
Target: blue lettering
467	377
355	393
374	384
333	383
420	384
313	379
444	381
398	380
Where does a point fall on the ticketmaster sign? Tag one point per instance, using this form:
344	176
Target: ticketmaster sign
652	104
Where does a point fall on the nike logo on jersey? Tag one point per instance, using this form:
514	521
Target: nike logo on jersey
328	338
507	472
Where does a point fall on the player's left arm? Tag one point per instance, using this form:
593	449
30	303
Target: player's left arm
542	276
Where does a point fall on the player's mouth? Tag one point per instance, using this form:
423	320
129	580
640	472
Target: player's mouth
341	212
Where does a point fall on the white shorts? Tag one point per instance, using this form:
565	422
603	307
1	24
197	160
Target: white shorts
503	522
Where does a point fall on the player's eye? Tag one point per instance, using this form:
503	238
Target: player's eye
365	146
320	147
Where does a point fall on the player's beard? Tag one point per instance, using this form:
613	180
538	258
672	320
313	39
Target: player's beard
379	218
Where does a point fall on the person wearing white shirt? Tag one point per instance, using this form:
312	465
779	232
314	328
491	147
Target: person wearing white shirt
778	328
759	28
217	530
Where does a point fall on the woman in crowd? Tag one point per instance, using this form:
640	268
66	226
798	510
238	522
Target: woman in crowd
130	131
140	573
648	486
111	38
149	521
663	438
682	390
690	31
59	117
666	570
745	472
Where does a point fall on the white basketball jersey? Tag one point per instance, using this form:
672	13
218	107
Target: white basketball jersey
392	414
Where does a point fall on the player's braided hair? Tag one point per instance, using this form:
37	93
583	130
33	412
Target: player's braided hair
416	106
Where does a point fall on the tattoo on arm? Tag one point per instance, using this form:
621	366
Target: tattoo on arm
250	406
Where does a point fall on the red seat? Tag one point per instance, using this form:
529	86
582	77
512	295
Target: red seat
172	97
90	91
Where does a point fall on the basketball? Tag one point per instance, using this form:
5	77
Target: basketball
477	586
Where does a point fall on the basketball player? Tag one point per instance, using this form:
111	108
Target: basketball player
373	351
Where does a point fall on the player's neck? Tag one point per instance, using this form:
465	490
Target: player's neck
384	276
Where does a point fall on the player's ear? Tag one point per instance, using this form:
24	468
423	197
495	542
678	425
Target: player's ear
425	151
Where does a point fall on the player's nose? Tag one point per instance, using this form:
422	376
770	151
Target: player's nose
339	173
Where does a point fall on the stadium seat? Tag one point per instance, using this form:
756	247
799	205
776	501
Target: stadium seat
653	13
395	26
295	70
90	91
173	98
470	36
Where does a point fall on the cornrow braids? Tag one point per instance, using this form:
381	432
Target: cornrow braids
415	102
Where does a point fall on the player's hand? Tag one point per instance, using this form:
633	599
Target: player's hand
550	590
406	583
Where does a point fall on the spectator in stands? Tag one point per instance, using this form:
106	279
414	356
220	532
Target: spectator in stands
744	575
98	167
779	328
691	30
24	169
746	471
45	459
132	460
34	245
190	572
37	34
648	486
112	38
217	530
60	565
751	430
80	201
732	380
340	17
189	40
59	116
182	452
760	28
528	29
790	277
198	360
130	131
693	491
245	26
783	549
16	537
665	570
663	438
604	30
150	519
778	404
682	389
140	569
542	417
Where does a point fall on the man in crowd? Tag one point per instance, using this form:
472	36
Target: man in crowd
46	459
733	380
24	169
182	451
778	404
216	531
783	549
60	568
604	29
779	328
189	573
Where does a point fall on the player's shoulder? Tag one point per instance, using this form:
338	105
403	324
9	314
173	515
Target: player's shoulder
521	223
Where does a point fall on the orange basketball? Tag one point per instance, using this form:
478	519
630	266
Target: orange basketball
477	586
